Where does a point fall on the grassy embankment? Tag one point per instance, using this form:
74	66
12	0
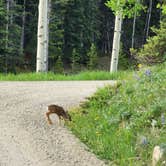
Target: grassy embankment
116	123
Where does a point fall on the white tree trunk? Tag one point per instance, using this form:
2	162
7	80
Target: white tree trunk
47	35
116	42
42	45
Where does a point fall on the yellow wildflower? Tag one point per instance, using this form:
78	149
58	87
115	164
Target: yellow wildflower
139	66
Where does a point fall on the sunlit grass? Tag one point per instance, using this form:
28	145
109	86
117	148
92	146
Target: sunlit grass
112	121
86	75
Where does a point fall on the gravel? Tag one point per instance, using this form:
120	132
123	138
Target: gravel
26	139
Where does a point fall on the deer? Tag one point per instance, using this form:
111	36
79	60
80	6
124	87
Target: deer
59	111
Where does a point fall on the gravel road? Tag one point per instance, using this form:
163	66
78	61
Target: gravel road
25	137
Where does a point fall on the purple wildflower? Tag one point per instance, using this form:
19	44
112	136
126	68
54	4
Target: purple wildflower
148	73
163	122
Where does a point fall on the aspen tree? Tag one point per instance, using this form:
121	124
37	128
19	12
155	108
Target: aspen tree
42	38
121	9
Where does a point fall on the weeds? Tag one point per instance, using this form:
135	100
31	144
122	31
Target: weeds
86	75
112	121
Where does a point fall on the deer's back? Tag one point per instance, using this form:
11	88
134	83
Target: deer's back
56	109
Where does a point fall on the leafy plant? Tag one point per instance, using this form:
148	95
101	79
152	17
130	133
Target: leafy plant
154	51
114	118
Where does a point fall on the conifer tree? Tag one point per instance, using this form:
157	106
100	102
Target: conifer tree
92	55
59	66
75	61
3	36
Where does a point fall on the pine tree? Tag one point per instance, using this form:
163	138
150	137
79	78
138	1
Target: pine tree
31	34
92	55
57	26
3	36
81	26
10	32
75	61
73	24
59	66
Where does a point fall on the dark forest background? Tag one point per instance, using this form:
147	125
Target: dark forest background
76	28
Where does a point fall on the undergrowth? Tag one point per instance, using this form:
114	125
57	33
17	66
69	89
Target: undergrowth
123	123
86	75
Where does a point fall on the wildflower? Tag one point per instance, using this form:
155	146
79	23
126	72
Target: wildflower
144	140
163	122
139	66
148	73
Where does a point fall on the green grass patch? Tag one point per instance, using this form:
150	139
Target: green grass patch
116	122
88	75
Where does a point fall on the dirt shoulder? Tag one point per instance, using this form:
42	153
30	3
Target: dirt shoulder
27	139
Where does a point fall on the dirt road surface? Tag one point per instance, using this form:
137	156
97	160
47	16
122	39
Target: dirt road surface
25	137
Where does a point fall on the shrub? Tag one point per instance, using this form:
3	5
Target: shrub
154	51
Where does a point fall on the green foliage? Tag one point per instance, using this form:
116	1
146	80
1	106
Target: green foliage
123	60
10	32
56	27
163	7
59	66
75	61
92	58
2	35
154	51
82	26
88	75
128	8
112	120
73	24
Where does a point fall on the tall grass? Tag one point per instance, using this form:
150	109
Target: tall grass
88	75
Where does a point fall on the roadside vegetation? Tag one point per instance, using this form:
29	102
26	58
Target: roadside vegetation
123	123
86	75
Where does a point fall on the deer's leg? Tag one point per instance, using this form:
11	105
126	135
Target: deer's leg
60	118
48	117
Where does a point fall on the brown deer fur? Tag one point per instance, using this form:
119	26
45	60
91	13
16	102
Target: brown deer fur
61	113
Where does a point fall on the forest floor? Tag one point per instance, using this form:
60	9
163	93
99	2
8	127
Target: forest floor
25	136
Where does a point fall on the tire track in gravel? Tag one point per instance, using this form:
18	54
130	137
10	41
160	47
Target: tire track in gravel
25	137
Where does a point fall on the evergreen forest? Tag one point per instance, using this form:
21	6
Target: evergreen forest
80	35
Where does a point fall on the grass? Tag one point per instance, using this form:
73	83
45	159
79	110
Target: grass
86	75
116	123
